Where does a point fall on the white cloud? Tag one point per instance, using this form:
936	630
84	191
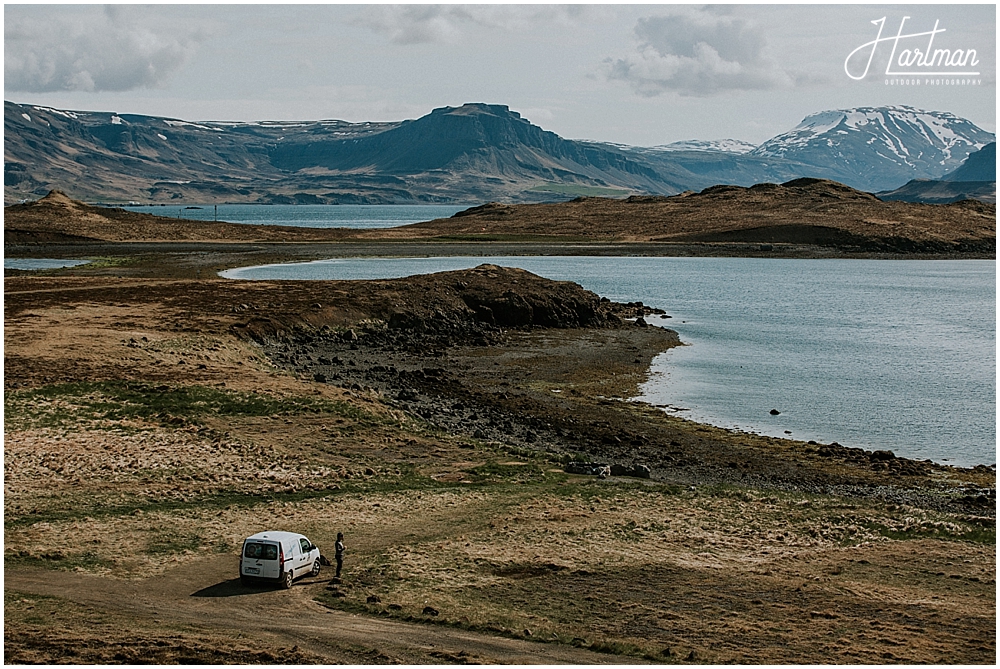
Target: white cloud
700	53
420	24
90	49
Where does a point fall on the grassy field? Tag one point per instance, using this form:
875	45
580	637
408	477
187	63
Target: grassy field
123	491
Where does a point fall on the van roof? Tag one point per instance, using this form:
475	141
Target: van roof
275	536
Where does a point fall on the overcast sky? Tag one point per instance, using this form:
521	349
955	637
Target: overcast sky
634	74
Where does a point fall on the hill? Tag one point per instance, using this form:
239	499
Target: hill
58	218
803	211
974	179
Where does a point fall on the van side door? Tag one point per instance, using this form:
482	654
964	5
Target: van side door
307	553
292	557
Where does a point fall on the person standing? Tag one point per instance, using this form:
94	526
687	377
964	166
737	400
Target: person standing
339	552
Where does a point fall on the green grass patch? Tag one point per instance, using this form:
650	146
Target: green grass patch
88	561
110	261
224	499
65	404
943	531
492	472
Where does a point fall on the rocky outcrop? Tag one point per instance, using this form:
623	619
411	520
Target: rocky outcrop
466	306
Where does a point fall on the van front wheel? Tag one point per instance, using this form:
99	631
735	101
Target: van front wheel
286	580
315	570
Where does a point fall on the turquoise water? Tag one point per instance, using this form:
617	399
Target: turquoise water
309	215
40	263
879	354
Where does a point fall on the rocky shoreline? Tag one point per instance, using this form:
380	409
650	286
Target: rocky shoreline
520	368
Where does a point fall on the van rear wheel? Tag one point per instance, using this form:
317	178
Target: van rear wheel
286	580
315	570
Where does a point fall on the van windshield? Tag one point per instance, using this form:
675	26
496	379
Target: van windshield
261	551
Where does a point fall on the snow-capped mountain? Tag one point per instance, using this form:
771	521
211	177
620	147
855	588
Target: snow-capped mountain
723	145
882	146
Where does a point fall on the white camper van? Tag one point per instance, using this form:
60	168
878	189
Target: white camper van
280	557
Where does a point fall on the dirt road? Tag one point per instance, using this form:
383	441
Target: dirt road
206	595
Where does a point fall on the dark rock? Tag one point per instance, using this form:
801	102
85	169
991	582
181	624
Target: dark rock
692	656
319	378
395	607
430	611
774	412
641	322
637	471
881	455
579	468
374	599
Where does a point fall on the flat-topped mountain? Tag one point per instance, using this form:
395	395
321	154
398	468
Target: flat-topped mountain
472	153
467	154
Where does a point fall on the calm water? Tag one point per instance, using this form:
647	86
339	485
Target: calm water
40	263
309	215
871	353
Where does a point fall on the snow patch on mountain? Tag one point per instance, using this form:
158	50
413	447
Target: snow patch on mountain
724	145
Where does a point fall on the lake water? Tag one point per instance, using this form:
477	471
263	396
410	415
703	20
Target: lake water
309	215
879	354
40	263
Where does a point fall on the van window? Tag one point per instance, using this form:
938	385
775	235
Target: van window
261	551
305	545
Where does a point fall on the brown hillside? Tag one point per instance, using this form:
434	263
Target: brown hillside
57	217
803	211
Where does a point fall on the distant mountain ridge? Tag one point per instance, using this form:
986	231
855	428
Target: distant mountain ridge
975	179
979	166
473	153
